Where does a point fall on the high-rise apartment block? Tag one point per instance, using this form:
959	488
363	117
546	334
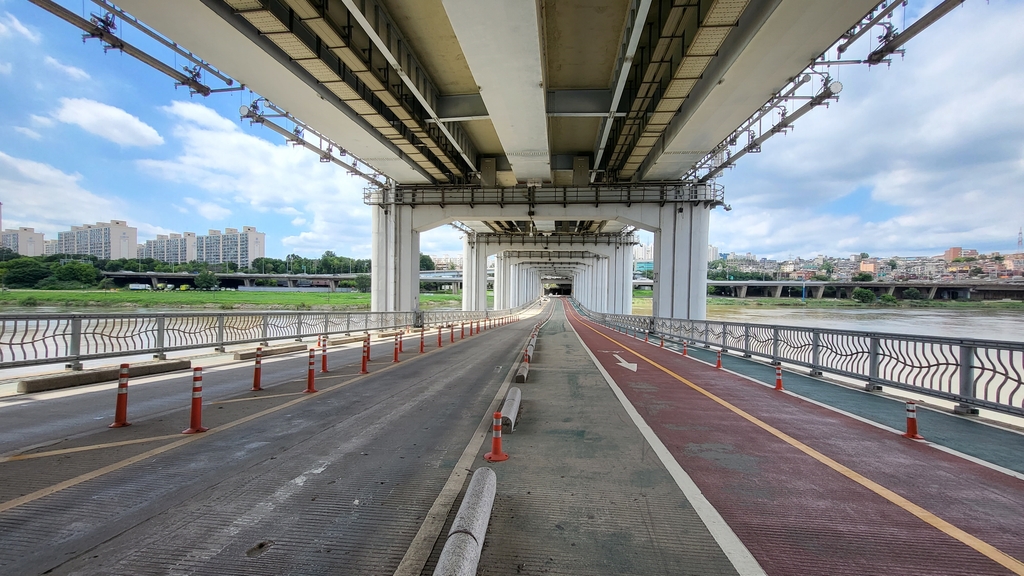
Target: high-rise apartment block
24	241
105	240
171	248
242	248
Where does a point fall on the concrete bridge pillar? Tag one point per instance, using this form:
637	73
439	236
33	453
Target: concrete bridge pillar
818	292
620	275
292	282
500	291
890	290
931	292
681	261
395	277
474	274
153	281
741	291
249	282
776	291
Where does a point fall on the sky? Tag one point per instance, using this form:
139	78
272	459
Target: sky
916	157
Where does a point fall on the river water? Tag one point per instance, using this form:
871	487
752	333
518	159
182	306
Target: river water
952	323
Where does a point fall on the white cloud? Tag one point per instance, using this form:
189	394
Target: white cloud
233	167
71	71
11	26
39	195
208	210
6	67
41	121
107	122
299	221
913	159
28	132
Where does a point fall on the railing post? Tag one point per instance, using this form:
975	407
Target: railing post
967	389
220	333
266	329
815	353
298	328
872	385
746	341
707	334
327	323
775	346
725	335
161	330
75	346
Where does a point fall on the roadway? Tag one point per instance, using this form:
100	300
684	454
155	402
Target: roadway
629	459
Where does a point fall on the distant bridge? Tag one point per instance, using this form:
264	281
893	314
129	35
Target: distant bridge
957	290
236	279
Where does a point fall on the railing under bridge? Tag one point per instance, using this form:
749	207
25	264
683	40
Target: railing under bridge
597	194
983	373
32	339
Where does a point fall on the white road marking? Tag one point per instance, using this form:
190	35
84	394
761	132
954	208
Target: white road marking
624	364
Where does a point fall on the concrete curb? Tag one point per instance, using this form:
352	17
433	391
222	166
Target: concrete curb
510	410
86	377
522	372
250	354
461	552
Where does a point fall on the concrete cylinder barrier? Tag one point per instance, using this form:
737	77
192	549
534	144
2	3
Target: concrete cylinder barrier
257	371
496	454
912	422
510	409
522	373
311	373
121	406
461	553
196	413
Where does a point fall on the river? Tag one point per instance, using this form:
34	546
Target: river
947	322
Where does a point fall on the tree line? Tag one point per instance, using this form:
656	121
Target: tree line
74	272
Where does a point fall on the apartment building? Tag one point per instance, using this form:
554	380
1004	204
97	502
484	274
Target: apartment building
171	248
24	241
232	245
105	240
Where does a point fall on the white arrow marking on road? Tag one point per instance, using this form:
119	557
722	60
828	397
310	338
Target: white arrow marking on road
625	364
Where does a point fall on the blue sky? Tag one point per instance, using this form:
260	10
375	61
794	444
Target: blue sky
923	155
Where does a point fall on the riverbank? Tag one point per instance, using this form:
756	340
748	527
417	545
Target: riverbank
219	300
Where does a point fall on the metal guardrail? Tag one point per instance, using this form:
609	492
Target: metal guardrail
982	373
33	339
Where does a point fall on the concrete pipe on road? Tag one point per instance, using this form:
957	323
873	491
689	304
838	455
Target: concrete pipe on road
461	552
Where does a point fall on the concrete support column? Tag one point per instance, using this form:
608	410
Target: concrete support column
931	292
818	292
395	253
776	291
474	275
741	291
681	262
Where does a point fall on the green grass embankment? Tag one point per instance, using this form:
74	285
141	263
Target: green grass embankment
222	300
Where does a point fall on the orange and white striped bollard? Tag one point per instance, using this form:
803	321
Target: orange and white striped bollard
323	355
438	336
121	406
684	348
396	348
367	346
423	331
778	378
496	454
196	413
451	333
257	371
718	364
912	421
462	331
365	358
311	373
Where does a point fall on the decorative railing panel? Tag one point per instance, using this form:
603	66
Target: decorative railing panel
984	373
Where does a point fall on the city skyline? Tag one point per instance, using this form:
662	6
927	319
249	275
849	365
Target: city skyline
91	137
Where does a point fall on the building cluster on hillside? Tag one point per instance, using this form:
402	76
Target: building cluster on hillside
954	264
115	240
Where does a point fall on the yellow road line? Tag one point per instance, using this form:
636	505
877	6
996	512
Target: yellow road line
990	551
255	398
86	448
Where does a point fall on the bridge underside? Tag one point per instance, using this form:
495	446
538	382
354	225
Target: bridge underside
530	123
